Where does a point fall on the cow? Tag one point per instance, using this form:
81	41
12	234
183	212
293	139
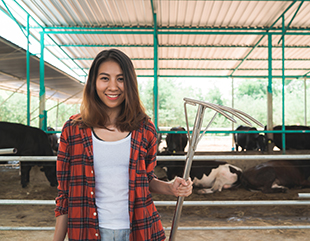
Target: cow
29	141
176	142
53	139
293	141
159	138
249	141
209	176
276	176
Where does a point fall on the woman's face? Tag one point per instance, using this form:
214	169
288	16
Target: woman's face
110	85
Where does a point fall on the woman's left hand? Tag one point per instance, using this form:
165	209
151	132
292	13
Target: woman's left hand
182	188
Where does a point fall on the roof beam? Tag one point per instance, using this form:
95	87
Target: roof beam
217	69
12	16
194	32
261	38
199	28
205	59
290	21
226	76
175	46
40	27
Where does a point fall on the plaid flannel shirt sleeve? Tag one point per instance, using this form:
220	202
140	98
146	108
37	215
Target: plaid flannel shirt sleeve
63	173
150	160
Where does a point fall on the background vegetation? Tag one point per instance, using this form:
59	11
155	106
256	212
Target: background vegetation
249	96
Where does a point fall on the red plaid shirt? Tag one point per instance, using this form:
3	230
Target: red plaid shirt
76	189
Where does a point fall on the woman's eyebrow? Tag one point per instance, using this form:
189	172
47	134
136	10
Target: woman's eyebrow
102	73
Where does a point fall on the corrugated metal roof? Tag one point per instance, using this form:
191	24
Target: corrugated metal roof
13	75
187	44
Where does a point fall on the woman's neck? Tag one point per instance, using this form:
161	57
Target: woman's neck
112	119
110	134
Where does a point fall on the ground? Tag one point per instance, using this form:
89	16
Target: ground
43	216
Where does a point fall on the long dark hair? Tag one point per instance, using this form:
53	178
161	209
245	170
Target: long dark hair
94	111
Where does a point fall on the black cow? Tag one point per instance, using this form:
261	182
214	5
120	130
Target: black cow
53	139
176	142
277	175
297	141
211	176
29	141
249	141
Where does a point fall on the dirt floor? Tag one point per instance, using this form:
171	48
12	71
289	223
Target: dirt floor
215	216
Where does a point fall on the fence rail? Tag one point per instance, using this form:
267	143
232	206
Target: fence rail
173	203
279	156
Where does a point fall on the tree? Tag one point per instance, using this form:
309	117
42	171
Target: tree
254	88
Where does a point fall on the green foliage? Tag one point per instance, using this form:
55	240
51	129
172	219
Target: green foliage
214	96
146	94
14	109
255	89
250	97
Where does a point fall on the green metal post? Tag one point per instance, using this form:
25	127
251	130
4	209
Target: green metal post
42	115
269	93
305	99
155	88
283	84
28	73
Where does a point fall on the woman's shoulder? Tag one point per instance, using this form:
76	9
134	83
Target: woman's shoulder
149	126
75	117
73	121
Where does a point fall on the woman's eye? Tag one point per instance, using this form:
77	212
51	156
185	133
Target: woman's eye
120	79
105	78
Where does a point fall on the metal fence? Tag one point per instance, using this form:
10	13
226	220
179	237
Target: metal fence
186	203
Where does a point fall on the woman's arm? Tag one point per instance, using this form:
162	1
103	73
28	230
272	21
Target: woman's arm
63	177
61	227
177	187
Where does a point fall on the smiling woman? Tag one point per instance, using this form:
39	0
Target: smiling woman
106	161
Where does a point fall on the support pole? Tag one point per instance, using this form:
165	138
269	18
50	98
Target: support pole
269	94
42	87
155	87
305	99
232	106
283	85
28	73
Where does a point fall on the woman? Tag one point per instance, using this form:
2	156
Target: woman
106	161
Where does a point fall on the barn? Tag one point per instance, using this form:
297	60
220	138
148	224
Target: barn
46	48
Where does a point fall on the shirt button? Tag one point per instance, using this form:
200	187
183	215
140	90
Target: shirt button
95	213
91	171
96	234
92	193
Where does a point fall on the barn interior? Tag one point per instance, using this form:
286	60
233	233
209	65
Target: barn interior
46	48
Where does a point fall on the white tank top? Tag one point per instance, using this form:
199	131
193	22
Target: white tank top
111	165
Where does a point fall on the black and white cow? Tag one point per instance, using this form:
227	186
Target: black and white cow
159	139
249	141
29	141
277	176
176	142
293	141
209	176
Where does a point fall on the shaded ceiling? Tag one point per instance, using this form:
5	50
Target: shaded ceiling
58	85
223	38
